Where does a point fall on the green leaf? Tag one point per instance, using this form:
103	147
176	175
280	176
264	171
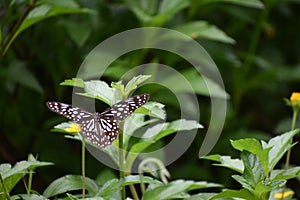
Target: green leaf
249	144
175	188
12	175
134	82
131	124
201	196
243	193
167	9
69	183
46	9
153	109
279	146
253	172
78	31
253	146
75	82
202	29
29	197
248	3
110	189
99	90
157	132
284	174
18	73
200	85
134	179
226	161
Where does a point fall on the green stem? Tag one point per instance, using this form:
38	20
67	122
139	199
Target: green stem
29	181
288	156
121	162
83	166
4	188
12	35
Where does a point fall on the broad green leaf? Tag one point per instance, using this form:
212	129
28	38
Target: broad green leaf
243	193
18	73
46	9
134	82
201	86
29	197
249	144
157	132
226	161
284	174
78	31
253	146
279	146
69	183
248	3
99	90
131	124
134	179
202	29
167	9
75	82
253	171
201	196
153	109
171	190
135	7
111	189
244	182
12	175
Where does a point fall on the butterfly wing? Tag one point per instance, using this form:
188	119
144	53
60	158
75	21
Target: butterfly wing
123	109
73	113
99	131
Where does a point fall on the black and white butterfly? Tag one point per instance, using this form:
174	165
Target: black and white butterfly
100	129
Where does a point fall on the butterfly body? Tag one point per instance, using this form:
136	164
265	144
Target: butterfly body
100	129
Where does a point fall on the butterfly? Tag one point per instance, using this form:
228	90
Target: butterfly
100	129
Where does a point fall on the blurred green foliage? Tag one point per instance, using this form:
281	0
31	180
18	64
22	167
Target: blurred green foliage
255	45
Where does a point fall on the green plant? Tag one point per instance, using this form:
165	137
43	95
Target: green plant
258	177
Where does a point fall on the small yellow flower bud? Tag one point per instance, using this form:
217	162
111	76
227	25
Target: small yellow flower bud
295	100
281	195
295	96
74	128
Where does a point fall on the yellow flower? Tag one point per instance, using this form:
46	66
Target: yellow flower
281	195
295	96
74	128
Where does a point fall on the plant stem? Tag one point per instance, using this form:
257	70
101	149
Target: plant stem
4	188
83	166
121	162
29	181
11	36
288	156
133	192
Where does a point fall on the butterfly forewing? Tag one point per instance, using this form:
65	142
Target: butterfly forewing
100	129
73	113
123	109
